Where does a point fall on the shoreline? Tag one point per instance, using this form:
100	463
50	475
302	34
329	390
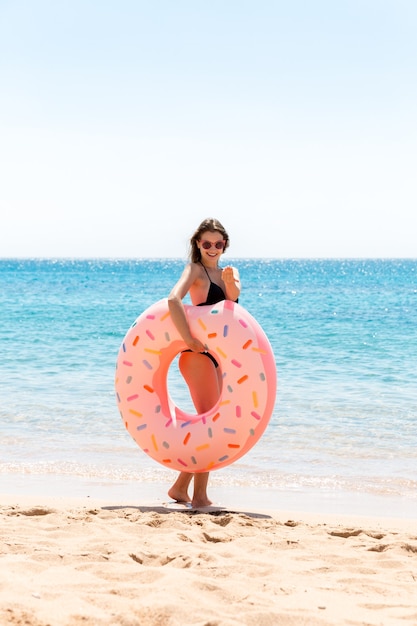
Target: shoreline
66	503
301	501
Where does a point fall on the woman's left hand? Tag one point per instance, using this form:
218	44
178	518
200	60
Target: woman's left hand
228	276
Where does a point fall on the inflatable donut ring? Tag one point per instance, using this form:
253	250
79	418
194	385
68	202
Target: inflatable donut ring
211	440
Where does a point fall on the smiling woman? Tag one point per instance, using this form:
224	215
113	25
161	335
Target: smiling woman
207	284
225	359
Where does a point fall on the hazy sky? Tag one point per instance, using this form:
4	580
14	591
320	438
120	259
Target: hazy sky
124	123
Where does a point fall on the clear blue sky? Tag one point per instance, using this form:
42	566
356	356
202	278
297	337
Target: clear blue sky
124	124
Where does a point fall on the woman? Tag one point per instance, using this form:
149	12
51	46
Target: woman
207	283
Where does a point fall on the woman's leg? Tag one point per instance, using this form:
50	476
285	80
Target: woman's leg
200	497
179	490
204	382
203	379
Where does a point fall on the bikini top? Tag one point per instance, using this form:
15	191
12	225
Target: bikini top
215	292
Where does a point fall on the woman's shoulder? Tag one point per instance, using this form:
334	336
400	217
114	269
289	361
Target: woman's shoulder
193	271
196	268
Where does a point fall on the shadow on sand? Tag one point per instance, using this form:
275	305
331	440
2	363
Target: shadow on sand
175	507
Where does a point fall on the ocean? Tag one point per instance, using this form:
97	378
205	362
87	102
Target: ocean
343	434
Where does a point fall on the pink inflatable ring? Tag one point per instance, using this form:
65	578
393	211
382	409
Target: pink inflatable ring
211	440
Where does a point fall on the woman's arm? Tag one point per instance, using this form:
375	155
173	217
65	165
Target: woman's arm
230	277
176	307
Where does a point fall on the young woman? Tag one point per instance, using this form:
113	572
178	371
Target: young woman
207	283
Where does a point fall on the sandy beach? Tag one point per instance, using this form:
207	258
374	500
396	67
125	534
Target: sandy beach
92	562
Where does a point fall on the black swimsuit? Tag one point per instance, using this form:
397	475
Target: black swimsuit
215	294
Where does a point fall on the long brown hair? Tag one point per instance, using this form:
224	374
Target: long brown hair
213	226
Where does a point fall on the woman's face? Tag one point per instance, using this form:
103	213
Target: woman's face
211	245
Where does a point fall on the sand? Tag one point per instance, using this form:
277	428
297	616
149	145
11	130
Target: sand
88	562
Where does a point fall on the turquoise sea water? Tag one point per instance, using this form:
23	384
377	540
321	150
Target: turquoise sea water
344	335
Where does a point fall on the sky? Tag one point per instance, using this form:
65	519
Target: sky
124	124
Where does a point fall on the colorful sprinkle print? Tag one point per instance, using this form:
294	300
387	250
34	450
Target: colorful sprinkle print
239	418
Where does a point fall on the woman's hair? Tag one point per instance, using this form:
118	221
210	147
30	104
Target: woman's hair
213	226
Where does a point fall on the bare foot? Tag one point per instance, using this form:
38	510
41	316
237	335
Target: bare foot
198	503
179	496
200	497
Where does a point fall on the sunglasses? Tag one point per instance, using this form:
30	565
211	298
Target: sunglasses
219	245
